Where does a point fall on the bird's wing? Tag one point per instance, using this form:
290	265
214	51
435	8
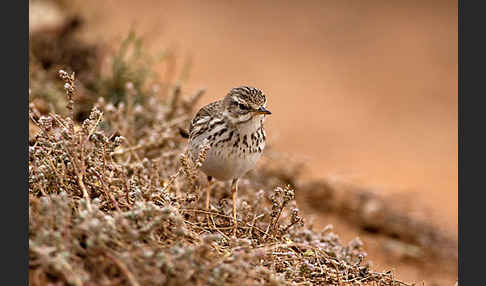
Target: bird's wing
203	118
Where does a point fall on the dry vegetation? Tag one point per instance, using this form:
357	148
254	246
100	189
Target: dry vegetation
114	199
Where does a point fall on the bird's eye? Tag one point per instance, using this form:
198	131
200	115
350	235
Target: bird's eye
242	106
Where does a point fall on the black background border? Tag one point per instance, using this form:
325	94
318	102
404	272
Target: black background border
14	199
472	142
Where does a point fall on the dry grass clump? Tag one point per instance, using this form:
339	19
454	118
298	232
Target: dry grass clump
100	72
409	236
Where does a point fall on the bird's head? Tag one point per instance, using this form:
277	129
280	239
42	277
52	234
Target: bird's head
245	103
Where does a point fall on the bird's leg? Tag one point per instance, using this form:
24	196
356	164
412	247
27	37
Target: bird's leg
208	195
234	191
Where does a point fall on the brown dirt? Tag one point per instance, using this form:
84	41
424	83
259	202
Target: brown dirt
362	91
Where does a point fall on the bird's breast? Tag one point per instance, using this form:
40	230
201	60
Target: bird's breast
231	153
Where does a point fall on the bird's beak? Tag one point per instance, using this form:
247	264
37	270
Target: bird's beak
262	110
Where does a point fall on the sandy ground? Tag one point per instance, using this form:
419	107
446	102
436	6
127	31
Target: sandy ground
364	91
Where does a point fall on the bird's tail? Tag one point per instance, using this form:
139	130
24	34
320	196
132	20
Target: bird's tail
183	133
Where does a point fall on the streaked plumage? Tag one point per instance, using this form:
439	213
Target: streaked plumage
233	128
236	141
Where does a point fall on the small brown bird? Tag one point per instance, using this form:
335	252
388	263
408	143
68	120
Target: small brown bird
233	128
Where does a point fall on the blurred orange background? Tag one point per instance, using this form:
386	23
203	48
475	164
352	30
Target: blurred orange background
361	90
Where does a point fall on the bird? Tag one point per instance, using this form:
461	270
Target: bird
233	129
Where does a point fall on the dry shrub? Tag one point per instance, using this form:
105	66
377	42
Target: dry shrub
114	200
408	235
